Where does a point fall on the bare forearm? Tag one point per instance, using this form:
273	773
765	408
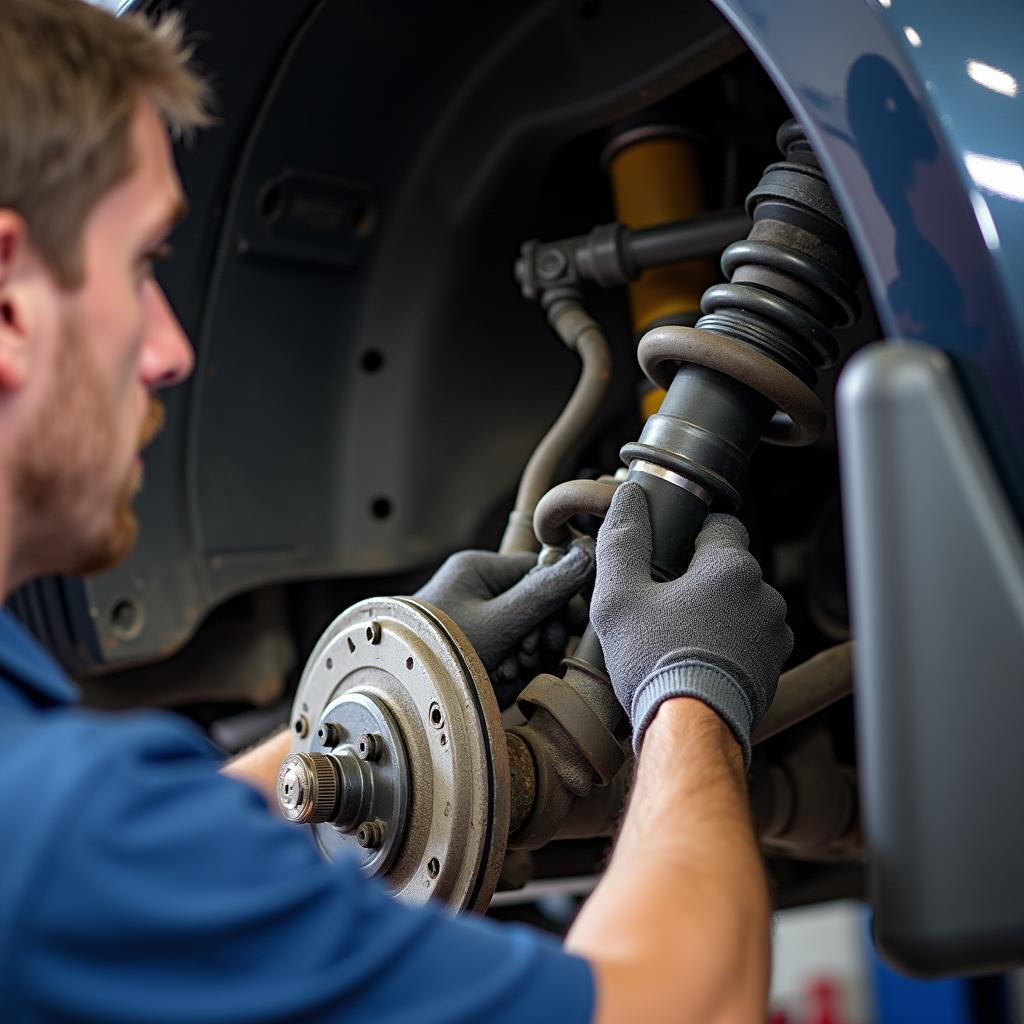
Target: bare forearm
259	765
678	929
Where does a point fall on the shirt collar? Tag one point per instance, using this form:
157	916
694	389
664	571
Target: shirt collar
31	668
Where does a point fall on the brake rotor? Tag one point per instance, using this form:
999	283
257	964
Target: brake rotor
399	756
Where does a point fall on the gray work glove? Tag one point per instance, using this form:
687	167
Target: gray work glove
512	610
717	633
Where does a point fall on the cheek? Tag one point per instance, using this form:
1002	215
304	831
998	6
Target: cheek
113	331
124	319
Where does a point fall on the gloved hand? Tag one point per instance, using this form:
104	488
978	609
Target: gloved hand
717	633
541	650
505	602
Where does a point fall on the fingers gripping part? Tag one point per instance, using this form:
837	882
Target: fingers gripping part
722	531
498	600
545	589
717	633
624	542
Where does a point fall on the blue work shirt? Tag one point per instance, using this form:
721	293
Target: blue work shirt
139	884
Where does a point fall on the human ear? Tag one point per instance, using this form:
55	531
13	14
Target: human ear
14	331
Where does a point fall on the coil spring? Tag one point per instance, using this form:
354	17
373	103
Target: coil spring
792	279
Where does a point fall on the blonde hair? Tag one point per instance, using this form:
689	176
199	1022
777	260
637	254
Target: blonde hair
71	78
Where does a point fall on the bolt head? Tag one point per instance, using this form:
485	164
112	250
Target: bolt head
370	835
369	746
551	264
328	735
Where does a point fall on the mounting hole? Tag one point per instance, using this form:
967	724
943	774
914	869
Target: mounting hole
301	726
409	663
351	646
372	360
591	9
433	867
435	715
126	619
381	508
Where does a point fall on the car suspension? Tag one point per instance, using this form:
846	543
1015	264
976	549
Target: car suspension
399	754
743	373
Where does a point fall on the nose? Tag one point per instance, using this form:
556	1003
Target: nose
167	356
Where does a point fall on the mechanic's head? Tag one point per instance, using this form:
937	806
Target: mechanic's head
88	194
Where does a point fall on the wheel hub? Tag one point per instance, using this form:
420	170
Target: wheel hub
399	755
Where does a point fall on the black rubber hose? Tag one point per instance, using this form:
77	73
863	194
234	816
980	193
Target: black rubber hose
565	500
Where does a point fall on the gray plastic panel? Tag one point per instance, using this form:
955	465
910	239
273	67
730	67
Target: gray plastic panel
936	566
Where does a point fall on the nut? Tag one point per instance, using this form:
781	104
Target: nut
370	834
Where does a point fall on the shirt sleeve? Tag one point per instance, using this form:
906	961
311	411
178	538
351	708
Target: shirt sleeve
169	894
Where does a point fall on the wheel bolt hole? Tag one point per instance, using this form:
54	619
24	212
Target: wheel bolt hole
381	508
372	361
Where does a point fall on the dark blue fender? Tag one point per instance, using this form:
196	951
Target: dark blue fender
916	110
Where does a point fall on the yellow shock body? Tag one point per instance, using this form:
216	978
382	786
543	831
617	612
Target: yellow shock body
656	179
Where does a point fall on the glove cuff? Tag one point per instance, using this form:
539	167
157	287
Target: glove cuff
698	679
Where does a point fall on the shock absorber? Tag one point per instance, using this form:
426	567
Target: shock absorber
654	173
746	370
743	373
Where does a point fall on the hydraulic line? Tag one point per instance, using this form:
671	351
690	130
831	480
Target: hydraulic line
581	334
655	181
561	503
743	373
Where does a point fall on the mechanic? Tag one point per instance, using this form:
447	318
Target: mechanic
141	883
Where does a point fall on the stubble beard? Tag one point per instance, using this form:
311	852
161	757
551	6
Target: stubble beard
64	527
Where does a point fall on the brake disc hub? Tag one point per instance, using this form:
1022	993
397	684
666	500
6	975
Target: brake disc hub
399	755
